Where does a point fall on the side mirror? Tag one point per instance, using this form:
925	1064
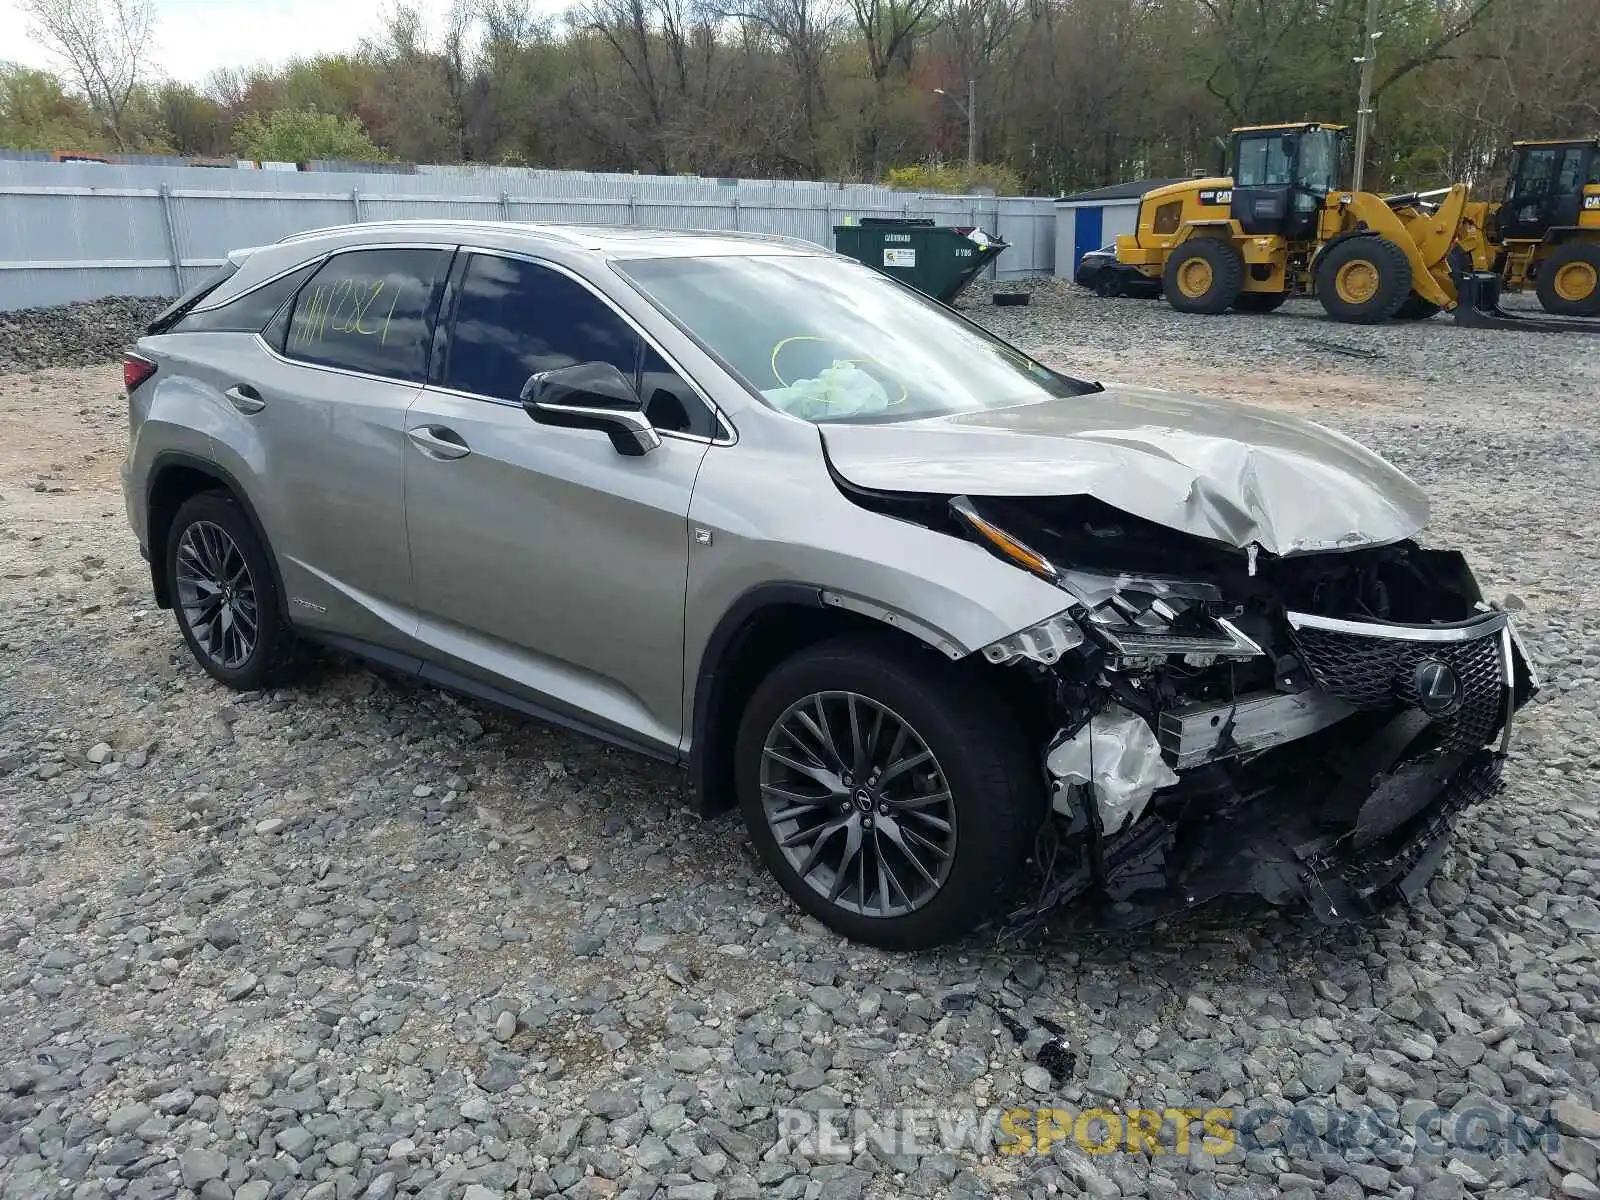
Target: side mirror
593	395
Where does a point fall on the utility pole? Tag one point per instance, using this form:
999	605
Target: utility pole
1368	60
970	111
972	124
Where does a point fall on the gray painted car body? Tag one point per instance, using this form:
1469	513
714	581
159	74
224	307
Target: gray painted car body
548	566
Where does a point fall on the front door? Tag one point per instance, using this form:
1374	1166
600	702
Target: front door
545	563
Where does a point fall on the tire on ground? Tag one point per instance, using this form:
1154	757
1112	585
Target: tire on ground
1203	275
1363	280
992	776
1569	280
1415	308
1259	302
277	655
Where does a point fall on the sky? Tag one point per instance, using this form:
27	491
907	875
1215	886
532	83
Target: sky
194	37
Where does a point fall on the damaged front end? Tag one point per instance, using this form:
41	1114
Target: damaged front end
1236	723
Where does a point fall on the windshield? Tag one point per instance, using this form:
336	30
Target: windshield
829	340
1307	159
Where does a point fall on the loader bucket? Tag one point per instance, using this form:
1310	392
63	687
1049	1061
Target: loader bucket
1478	303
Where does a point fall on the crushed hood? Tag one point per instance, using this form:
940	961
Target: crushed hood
1211	468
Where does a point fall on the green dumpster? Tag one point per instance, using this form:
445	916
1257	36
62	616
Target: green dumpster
940	260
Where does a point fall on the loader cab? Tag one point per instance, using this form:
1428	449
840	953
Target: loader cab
1282	175
1545	189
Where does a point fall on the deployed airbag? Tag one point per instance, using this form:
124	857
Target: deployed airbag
842	390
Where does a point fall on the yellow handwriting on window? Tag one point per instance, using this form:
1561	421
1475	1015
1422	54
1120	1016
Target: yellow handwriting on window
352	306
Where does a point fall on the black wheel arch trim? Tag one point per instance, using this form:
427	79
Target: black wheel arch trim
710	748
710	760
169	459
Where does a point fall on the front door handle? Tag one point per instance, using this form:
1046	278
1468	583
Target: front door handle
437	441
245	398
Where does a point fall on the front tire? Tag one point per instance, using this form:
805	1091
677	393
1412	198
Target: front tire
224	595
1364	280
1204	275
941	805
1569	280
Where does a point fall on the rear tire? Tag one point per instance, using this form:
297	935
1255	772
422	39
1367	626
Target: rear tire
225	596
1364	280
978	778
1415	308
1259	302
1569	280
1204	275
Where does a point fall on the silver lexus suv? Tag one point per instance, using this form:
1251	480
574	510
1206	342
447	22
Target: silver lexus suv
965	639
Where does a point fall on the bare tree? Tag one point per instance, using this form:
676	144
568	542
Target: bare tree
104	44
805	31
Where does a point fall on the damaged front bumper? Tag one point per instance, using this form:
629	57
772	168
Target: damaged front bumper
1336	785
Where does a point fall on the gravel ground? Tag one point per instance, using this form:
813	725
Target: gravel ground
359	939
74	335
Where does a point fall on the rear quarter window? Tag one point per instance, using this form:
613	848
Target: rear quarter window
169	316
250	311
369	311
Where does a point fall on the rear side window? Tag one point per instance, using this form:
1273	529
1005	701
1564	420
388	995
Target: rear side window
369	311
250	312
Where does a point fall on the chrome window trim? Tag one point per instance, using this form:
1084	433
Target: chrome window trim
311	366
1465	631
728	434
256	287
354	374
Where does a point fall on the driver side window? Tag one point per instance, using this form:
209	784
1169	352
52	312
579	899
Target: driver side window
516	318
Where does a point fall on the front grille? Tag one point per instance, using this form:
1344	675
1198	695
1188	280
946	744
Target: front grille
1377	671
1476	781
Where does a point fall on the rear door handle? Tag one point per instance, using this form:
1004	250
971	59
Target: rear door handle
245	398
438	441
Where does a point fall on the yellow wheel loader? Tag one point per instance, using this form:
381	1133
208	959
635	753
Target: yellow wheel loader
1282	226
1546	232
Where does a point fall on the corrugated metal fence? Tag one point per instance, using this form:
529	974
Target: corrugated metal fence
79	231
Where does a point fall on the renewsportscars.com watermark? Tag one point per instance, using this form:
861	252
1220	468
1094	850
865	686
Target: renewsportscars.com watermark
1307	1129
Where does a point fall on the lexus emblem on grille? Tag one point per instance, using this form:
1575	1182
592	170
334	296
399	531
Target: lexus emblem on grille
1438	687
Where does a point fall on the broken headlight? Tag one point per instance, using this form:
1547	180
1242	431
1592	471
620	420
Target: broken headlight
1133	618
1134	623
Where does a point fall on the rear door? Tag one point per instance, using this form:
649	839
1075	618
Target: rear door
547	564
325	406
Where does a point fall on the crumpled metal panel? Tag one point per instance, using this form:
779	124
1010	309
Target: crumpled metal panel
1118	753
1212	468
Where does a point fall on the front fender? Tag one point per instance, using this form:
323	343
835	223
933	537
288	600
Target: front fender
779	516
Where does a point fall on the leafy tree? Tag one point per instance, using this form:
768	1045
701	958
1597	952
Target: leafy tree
37	114
104	44
196	123
302	134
